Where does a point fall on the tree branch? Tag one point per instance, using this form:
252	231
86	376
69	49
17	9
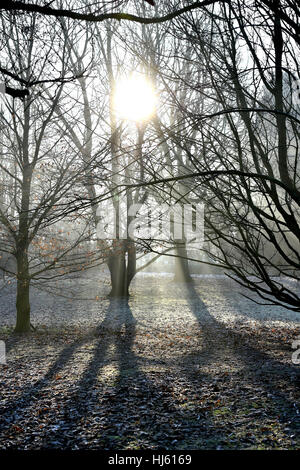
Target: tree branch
92	17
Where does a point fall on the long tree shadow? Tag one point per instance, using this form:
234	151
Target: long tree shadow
251	357
140	412
31	392
131	411
132	408
117	315
134	405
83	404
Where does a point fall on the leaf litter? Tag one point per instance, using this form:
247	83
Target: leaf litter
167	372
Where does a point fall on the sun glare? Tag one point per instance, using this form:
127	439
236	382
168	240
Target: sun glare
134	98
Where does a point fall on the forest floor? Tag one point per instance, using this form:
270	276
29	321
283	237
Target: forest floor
174	368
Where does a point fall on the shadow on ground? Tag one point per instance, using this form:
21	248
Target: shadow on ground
102	391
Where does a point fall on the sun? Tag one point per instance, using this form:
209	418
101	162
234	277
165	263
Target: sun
134	98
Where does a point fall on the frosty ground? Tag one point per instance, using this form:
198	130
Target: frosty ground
174	368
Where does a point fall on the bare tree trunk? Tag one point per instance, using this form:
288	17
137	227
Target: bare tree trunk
117	268
131	262
182	272
22	303
22	240
122	271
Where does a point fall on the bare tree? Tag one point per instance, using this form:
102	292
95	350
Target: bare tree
40	169
249	157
